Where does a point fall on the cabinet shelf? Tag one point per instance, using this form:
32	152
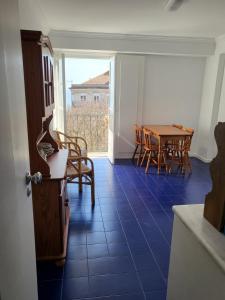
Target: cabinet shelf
57	164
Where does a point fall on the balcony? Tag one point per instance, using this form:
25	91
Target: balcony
93	127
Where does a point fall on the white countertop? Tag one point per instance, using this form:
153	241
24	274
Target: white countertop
211	239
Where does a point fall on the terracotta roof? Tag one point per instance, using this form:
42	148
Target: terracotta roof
100	81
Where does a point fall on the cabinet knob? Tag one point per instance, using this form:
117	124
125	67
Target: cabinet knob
36	178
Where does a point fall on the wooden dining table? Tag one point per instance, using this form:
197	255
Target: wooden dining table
163	134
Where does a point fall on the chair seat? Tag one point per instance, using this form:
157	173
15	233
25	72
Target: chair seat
153	147
71	171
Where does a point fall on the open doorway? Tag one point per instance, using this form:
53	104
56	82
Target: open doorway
87	92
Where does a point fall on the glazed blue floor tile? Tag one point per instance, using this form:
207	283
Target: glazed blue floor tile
156	295
76	268
97	250
120	249
75	288
110	265
119	297
77	252
114	284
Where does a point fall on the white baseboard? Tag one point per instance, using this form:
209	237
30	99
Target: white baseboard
206	160
128	155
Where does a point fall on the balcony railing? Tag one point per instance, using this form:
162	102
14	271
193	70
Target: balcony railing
93	127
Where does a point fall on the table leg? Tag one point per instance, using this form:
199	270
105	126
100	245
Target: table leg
159	157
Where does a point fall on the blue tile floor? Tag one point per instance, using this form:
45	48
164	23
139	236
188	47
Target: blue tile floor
121	249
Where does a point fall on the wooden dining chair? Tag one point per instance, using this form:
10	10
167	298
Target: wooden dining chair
138	143
150	150
172	145
179	126
186	149
80	169
180	151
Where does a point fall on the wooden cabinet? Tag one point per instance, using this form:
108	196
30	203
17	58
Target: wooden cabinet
50	205
51	213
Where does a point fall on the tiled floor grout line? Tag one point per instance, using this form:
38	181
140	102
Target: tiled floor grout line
87	263
157	225
108	296
139	280
152	193
104	226
149	211
133	261
146	239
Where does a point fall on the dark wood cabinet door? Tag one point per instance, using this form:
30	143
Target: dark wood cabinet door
48	84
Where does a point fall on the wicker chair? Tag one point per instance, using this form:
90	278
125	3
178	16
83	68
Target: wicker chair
79	143
80	168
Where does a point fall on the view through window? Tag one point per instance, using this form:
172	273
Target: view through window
87	99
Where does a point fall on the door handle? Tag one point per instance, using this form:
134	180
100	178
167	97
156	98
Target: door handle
36	178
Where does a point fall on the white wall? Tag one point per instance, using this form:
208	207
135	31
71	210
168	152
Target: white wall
220	50
129	98
173	88
155	89
213	102
32	16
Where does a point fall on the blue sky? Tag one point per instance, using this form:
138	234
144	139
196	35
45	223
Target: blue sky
79	70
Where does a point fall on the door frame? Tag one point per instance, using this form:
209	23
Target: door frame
112	107
109	55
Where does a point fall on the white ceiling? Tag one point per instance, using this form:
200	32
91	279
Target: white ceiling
198	18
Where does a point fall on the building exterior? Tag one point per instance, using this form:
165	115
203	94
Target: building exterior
95	90
88	114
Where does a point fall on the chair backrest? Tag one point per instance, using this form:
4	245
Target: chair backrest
60	137
189	130
188	139
64	141
179	126
147	138
138	134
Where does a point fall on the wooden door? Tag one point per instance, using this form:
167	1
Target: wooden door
17	248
